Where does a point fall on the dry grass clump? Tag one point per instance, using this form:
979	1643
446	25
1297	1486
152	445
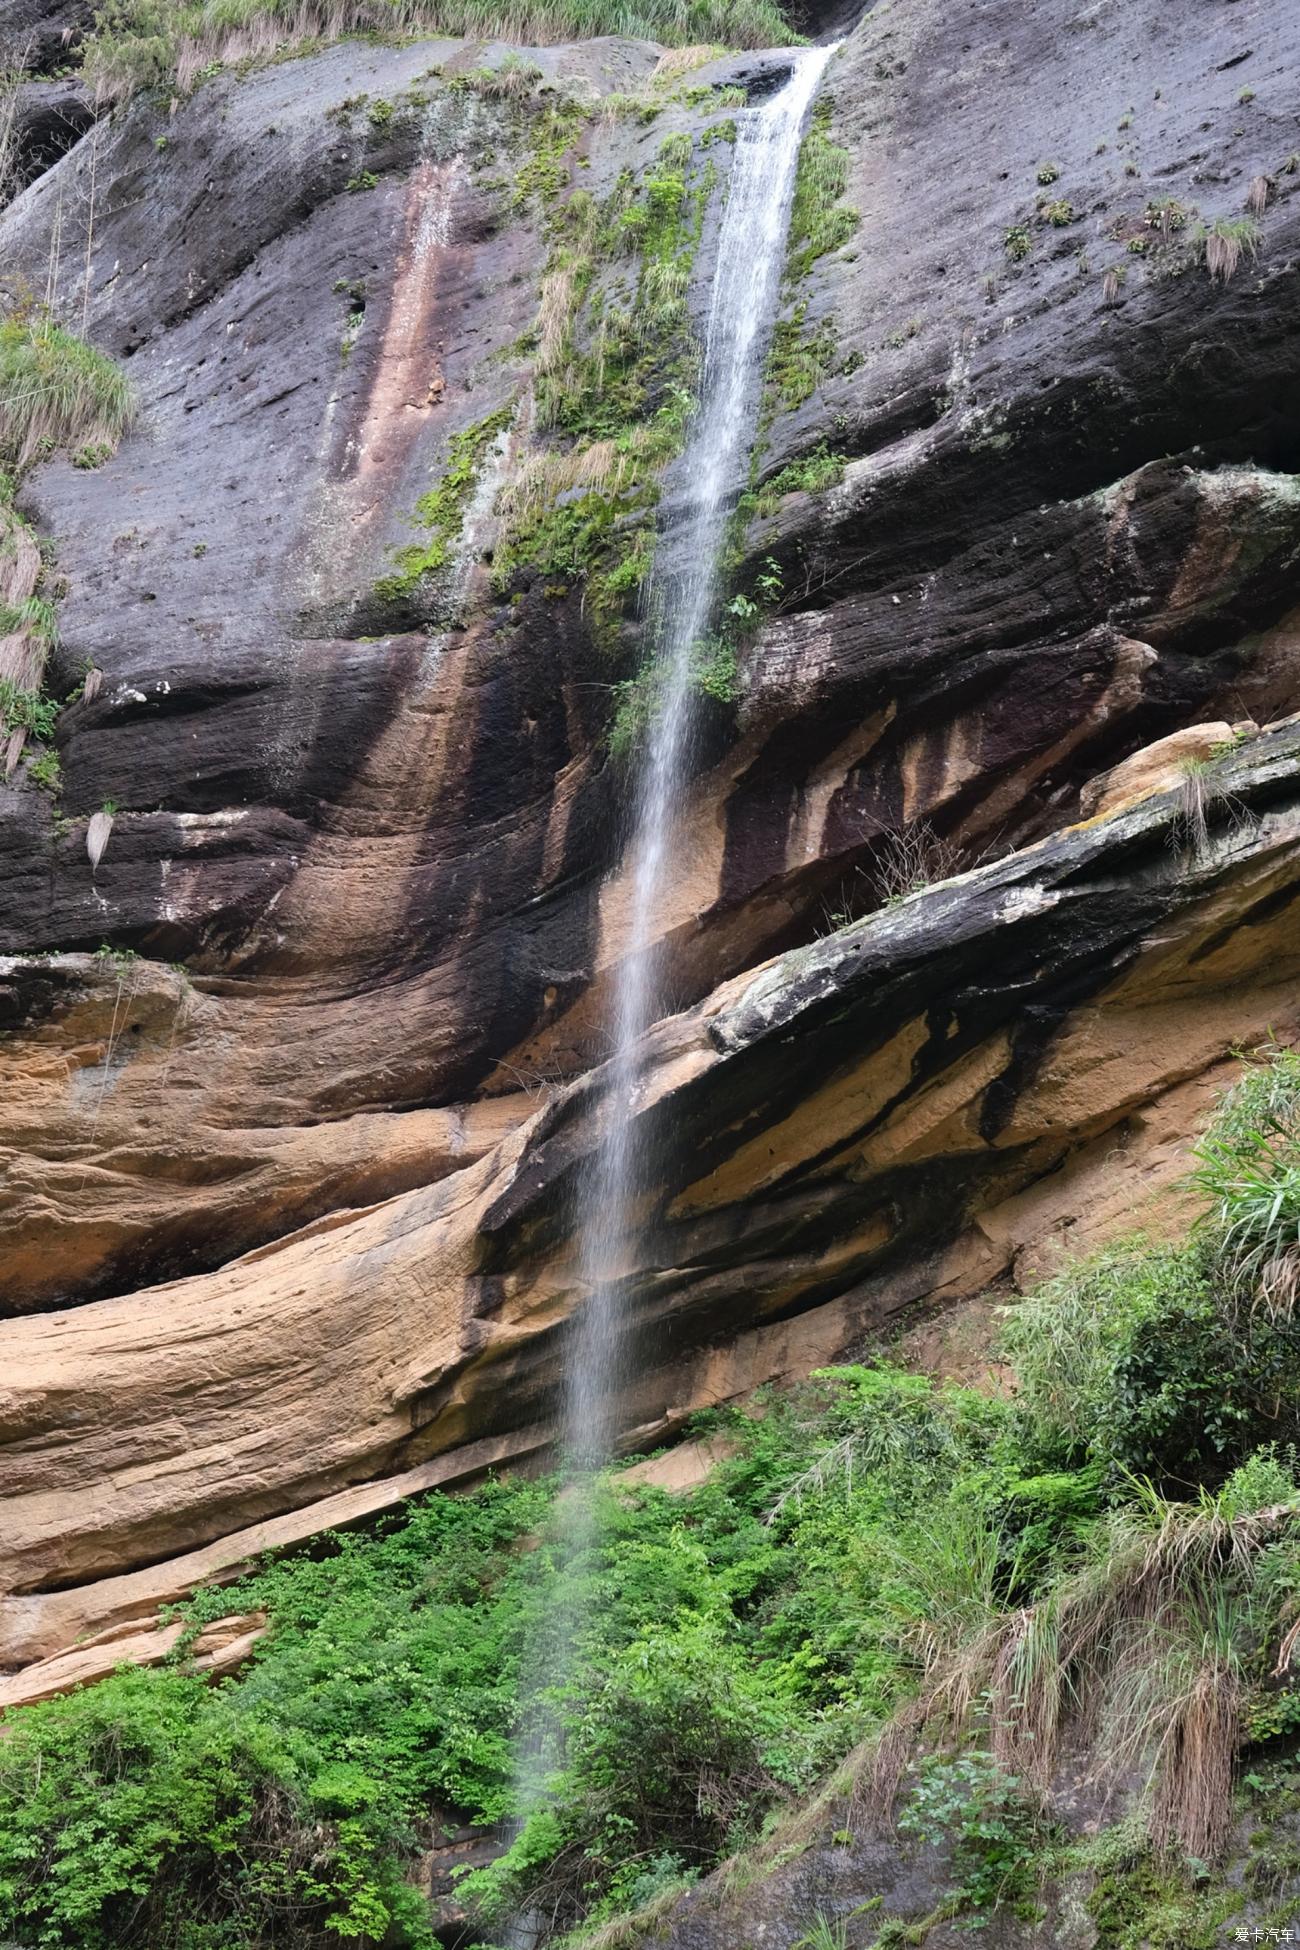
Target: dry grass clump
1261	188
1226	243
542	477
1143	1650
675	62
13	73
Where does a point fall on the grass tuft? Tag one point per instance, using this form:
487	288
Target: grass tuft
56	391
1226	243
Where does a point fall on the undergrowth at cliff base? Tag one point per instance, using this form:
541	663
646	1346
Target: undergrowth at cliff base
910	1590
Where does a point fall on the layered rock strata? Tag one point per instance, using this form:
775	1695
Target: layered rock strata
293	1079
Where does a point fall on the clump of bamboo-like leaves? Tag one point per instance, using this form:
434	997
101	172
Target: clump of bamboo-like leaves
1248	1166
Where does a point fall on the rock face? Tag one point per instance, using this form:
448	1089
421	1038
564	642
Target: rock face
860	1125
297	1078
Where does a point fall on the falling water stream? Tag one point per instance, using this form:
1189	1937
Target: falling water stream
751	252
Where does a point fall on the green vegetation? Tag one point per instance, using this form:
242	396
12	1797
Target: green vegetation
555	126
819	220
817	471
168	43
441	512
1017	243
615	370
1166	215
55	391
912	1588
514	80
995	1832
800	358
798	361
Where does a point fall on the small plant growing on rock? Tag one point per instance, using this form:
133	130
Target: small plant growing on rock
1111	284
826	1933
367	180
1165	215
985	1815
1058	213
911	858
44	770
1017	242
1048	173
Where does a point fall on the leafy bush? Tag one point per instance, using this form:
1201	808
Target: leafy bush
982	1812
279	1806
1137	1359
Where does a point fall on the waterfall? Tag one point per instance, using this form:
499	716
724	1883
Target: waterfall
751	251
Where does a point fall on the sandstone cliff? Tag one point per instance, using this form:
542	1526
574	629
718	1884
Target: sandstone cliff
288	1171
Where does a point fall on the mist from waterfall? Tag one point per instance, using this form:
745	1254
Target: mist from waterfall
746	281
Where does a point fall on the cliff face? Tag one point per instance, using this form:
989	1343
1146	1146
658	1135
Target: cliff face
288	1173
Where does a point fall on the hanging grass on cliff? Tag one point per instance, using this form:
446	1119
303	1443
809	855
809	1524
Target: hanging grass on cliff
56	391
920	1593
173	43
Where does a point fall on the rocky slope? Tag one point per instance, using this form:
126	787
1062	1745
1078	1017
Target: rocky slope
287	1173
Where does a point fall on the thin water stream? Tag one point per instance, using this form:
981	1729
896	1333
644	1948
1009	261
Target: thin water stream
751	253
746	281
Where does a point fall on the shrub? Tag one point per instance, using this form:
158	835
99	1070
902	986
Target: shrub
982	1812
1135	1359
